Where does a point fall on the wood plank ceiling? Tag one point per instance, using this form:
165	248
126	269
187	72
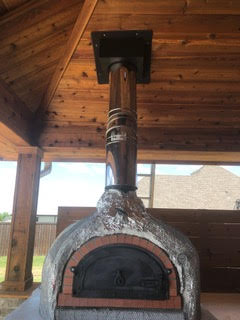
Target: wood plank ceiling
191	106
8	5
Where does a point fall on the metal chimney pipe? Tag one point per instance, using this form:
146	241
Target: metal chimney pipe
121	138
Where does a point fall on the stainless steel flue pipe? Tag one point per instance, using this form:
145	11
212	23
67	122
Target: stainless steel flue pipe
121	135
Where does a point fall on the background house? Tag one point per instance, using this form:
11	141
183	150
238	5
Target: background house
210	187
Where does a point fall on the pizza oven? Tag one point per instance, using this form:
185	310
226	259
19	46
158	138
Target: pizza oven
121	263
120	271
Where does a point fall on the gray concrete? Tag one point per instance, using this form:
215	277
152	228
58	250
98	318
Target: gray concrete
7	305
106	314
29	310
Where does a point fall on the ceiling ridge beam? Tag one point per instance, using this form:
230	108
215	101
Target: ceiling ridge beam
73	41
15	117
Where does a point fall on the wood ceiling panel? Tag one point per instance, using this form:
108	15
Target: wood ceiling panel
8	5
209	24
193	100
36	63
181	45
165	92
198	69
170	7
33	95
30	49
77	32
12	4
34	12
7	150
15	118
29	56
168	87
33	35
3	9
148	138
151	115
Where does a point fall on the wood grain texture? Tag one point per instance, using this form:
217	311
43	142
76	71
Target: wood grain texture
7	150
21	246
192	104
44	237
15	117
212	7
87	154
76	35
151	139
3	8
201	23
32	39
8	5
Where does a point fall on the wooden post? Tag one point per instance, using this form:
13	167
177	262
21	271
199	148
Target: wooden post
20	253
152	184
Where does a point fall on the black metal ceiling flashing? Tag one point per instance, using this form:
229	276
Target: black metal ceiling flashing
131	48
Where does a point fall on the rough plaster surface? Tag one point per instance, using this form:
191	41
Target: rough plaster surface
119	212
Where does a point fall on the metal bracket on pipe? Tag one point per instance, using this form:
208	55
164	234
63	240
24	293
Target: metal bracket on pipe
131	48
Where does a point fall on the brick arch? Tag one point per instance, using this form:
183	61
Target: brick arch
65	296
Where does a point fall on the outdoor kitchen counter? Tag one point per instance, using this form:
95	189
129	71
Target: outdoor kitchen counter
224	306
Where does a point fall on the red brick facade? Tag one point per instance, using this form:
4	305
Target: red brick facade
65	296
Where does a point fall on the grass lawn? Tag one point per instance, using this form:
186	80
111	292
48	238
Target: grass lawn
3	261
37	268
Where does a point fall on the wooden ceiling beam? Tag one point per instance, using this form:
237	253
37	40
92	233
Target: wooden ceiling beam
15	118
144	156
153	138
73	41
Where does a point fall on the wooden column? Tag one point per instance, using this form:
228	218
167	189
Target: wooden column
20	254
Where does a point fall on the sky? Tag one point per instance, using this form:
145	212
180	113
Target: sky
75	184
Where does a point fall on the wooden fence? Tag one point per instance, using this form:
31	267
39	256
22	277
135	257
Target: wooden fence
44	236
215	234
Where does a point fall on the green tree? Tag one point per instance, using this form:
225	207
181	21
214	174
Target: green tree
3	215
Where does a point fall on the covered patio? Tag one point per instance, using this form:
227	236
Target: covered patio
52	107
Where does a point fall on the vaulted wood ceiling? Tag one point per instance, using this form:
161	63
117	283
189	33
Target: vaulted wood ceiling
8	5
190	110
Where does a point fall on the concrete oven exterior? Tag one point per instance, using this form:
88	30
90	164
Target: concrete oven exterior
121	218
